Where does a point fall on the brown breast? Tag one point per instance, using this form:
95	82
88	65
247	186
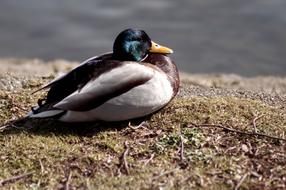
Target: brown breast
168	66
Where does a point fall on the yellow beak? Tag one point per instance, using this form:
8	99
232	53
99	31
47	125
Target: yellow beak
156	48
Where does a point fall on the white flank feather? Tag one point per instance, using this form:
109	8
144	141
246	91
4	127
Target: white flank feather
137	102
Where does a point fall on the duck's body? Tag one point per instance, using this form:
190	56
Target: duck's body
110	89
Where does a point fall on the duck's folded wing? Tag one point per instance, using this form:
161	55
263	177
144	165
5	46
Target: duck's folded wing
107	86
81	68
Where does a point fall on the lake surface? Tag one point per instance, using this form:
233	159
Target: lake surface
246	37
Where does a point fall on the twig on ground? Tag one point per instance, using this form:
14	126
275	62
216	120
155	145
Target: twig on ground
165	173
9	124
150	159
254	122
15	178
236	131
12	124
16	127
67	186
200	182
240	182
42	166
2	128
142	124
123	160
182	150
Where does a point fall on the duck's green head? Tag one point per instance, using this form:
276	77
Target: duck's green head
134	45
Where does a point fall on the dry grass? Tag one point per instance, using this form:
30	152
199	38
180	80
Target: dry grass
166	151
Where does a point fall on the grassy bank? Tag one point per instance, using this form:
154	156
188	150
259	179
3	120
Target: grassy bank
182	146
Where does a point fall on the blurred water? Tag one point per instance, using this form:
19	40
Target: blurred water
209	36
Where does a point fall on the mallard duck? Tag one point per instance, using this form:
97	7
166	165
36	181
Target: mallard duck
135	80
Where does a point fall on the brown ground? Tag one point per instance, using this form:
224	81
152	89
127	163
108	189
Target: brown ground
167	151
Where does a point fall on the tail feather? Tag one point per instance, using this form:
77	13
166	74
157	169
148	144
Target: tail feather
46	114
44	110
